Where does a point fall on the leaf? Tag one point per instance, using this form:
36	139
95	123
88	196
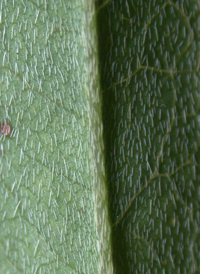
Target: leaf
150	59
53	201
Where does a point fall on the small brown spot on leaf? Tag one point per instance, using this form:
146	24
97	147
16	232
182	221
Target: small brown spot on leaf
5	129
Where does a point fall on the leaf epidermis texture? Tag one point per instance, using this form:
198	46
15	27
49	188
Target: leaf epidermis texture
150	59
49	171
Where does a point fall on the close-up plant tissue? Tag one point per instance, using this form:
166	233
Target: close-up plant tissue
100	137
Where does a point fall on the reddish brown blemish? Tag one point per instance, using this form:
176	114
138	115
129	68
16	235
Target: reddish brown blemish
5	129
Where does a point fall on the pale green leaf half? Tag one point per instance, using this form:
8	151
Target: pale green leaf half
53	205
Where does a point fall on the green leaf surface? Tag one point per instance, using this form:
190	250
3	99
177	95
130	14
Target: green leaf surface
53	198
150	59
53	201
